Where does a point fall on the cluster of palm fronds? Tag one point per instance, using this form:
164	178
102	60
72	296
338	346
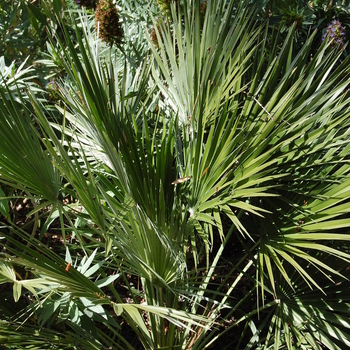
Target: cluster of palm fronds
208	187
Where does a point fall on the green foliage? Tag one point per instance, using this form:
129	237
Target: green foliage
17	36
201	187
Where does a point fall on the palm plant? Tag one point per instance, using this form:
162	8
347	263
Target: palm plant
223	215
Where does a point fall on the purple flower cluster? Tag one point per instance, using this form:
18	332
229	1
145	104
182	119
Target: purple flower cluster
335	33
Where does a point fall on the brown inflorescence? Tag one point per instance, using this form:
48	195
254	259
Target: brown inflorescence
107	22
154	37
